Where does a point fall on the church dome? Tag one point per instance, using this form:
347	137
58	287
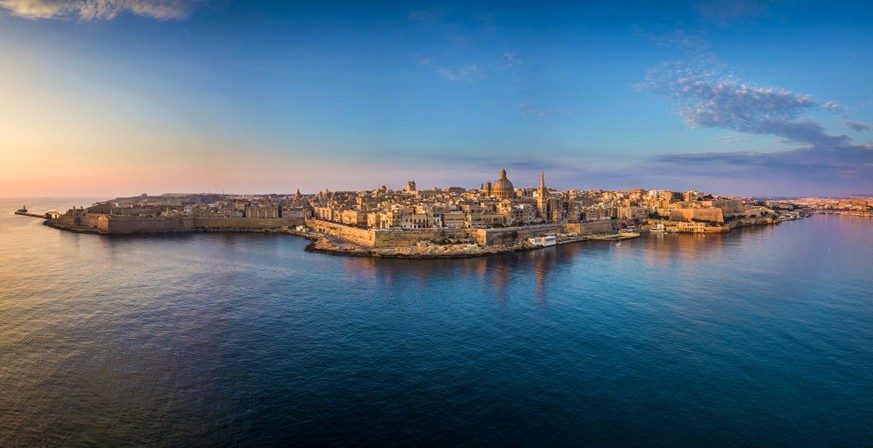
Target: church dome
503	188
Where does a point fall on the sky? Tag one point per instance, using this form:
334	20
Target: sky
742	98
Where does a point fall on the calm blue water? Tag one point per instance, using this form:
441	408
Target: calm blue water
763	337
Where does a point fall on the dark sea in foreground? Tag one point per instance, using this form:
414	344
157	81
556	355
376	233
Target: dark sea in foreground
762	337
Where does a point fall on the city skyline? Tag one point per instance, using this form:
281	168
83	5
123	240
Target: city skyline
111	98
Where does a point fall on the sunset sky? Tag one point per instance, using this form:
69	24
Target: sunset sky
120	97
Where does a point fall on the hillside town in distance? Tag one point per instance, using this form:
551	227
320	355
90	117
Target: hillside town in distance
497	217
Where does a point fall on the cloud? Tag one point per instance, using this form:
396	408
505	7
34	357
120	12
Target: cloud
706	94
857	126
464	73
535	111
531	110
832	106
823	166
511	59
691	44
726	12
732	139
706	97
90	10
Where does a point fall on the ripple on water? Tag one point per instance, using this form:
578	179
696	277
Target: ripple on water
760	337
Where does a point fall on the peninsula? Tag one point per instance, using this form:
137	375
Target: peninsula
439	222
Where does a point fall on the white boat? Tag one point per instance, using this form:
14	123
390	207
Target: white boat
543	241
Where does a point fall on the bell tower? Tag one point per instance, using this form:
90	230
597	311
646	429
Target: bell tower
543	198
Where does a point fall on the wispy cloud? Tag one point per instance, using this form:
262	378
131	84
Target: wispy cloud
812	167
706	96
90	10
732	139
467	72
688	43
511	59
532	110
726	12
832	106
857	126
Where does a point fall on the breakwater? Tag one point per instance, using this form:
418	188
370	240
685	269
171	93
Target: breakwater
32	215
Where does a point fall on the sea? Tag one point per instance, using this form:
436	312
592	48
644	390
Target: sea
760	337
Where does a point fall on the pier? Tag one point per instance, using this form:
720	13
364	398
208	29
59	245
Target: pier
24	212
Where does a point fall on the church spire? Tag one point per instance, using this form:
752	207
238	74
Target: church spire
543	179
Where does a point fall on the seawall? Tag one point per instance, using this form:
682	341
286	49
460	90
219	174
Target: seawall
388	238
114	225
508	235
242	224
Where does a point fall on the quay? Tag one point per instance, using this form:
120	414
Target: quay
600	237
24	212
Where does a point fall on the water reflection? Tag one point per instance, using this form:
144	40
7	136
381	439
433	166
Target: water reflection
532	274
504	277
689	251
518	276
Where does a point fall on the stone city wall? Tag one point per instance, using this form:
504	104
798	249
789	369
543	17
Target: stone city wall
399	238
77	221
589	228
702	214
363	237
387	238
730	207
509	235
116	224
135	224
244	224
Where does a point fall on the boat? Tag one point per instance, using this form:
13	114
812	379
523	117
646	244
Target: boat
543	241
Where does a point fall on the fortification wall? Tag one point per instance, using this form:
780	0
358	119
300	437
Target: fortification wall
136	224
509	235
730	207
400	238
77	223
63	220
89	220
363	237
589	228
702	214
251	224
384	238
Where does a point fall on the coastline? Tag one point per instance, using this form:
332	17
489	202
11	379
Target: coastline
332	244
321	243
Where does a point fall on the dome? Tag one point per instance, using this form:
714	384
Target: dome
503	188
